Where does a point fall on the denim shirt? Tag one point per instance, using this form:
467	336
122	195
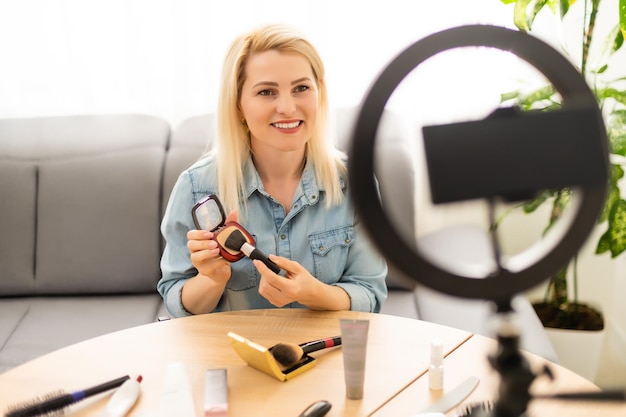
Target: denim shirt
327	241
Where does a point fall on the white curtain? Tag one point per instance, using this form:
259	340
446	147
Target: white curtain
163	57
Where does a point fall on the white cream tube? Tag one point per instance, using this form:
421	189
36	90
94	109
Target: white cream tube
354	347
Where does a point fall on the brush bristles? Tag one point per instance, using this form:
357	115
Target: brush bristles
235	240
286	354
35	407
477	409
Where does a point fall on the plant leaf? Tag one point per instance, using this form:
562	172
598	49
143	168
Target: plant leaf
622	17
536	9
604	244
616	130
613	193
541	95
615	94
559	204
532	205
564	6
618	41
509	96
617	228
520	19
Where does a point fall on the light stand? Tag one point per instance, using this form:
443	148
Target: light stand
516	376
502	146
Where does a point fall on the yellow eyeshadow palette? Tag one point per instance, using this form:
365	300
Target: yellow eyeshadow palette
260	358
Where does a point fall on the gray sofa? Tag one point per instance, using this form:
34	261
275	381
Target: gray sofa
81	199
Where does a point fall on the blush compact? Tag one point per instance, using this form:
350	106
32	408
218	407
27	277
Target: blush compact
208	214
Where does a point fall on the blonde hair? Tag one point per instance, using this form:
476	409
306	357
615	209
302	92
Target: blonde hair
233	142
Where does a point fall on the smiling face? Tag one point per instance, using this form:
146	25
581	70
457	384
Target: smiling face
279	101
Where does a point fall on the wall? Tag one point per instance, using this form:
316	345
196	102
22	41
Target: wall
163	57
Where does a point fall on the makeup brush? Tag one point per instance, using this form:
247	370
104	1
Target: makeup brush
288	354
476	409
237	241
605	395
485	408
54	404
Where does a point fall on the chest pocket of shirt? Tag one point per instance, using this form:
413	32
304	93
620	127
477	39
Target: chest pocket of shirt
330	252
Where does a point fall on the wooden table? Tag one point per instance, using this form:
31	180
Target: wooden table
470	359
396	384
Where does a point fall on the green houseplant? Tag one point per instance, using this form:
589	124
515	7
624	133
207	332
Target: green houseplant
561	307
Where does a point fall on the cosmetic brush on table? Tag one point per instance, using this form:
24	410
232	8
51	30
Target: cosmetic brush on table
288	354
53	404
237	241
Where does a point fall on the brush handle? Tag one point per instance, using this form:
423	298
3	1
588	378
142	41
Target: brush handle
606	395
320	344
257	254
63	400
106	386
253	253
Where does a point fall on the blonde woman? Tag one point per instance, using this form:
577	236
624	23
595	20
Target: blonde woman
277	173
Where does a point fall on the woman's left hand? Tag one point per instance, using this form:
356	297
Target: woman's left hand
280	290
298	285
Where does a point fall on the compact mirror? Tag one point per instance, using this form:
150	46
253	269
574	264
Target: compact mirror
208	213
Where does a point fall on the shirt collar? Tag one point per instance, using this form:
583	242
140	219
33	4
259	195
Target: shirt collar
309	188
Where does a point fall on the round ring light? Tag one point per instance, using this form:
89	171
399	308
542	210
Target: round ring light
500	286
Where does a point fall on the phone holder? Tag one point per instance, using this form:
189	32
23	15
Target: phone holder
208	214
260	358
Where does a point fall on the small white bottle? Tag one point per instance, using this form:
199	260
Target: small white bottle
123	399
435	370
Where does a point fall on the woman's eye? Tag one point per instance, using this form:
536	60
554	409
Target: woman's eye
265	92
301	88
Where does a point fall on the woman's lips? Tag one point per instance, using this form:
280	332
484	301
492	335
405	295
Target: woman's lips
287	126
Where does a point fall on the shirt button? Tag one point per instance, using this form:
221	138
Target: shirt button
347	240
283	237
313	197
321	248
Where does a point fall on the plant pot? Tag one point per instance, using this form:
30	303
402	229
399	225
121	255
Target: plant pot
577	334
578	350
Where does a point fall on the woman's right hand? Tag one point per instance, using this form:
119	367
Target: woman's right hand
205	254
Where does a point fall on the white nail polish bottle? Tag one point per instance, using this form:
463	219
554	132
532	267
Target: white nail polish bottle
435	370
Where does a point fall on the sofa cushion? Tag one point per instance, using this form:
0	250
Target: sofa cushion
110	229
95	182
18	196
33	326
190	140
